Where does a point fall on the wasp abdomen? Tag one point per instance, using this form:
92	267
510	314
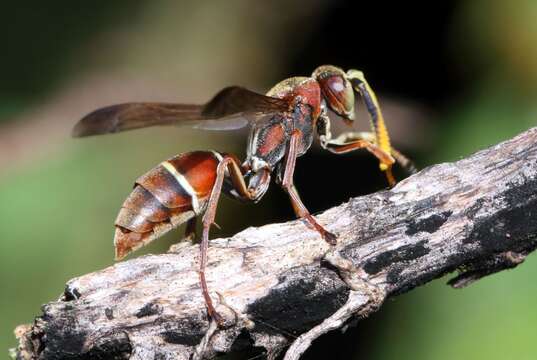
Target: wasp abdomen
165	197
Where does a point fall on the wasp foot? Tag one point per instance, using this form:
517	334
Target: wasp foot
329	237
222	317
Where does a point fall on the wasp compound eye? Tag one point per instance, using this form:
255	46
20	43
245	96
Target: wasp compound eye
337	91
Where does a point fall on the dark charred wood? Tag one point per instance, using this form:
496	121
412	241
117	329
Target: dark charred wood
278	281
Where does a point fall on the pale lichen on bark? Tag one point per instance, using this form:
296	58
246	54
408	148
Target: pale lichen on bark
281	283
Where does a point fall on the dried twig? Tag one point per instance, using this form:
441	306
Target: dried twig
280	281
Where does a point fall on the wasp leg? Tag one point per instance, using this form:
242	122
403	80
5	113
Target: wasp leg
230	164
287	183
382	139
190	230
407	164
370	100
340	147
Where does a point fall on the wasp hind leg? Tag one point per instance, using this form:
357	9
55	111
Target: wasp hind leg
228	167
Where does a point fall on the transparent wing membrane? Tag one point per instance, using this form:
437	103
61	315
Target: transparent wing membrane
231	108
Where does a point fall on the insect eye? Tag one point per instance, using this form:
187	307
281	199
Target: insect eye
338	94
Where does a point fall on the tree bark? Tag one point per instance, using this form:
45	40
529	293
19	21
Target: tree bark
273	283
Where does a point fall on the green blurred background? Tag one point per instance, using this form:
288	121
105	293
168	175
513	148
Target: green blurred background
453	77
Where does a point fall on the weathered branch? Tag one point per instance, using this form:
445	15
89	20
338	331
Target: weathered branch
275	282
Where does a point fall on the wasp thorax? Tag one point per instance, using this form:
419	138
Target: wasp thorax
337	90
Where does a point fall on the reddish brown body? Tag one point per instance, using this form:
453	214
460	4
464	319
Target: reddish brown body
160	201
284	123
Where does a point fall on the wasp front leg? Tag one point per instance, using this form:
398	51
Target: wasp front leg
346	143
288	185
407	164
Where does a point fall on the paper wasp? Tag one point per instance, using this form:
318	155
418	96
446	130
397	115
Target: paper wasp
283	125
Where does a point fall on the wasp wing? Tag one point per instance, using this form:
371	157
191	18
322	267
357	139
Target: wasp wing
232	108
236	99
128	116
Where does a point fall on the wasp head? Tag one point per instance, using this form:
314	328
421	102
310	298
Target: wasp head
337	90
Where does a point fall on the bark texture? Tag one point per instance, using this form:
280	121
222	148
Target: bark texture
273	283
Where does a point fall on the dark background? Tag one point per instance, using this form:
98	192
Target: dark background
452	77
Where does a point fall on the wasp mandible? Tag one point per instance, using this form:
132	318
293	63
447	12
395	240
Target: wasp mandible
283	125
